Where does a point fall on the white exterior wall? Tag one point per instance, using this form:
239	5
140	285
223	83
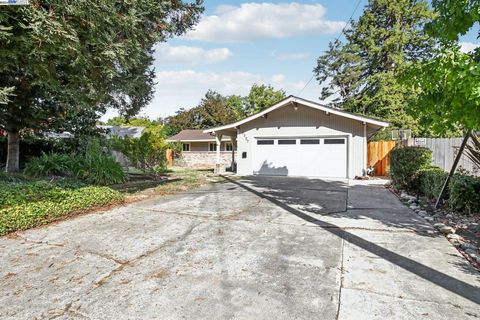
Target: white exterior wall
303	122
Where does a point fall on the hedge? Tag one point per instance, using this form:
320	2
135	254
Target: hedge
429	182
464	194
26	205
405	163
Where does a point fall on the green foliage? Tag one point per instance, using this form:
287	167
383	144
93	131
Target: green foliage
464	194
94	165
147	152
447	85
362	73
68	61
29	204
473	150
216	110
429	181
405	163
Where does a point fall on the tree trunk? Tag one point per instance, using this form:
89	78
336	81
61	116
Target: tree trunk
13	152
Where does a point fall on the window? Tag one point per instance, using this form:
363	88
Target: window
186	147
310	141
287	141
244	155
212	146
264	142
334	141
228	146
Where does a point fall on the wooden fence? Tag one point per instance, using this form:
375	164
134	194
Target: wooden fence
377	156
444	151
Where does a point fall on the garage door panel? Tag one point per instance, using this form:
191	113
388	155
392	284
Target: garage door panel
320	157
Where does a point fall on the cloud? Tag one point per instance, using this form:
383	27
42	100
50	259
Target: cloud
290	55
251	21
166	54
468	46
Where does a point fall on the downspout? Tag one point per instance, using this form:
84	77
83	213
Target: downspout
364	149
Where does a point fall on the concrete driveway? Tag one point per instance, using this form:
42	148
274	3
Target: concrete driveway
255	248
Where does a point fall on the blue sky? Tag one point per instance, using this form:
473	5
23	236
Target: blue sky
240	43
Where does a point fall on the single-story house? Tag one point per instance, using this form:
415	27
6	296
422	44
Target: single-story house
199	149
298	137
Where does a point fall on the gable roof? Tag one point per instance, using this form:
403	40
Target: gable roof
293	100
190	135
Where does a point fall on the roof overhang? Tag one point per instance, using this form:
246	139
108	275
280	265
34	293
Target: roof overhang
292	100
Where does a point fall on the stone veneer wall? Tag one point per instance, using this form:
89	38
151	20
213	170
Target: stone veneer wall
194	159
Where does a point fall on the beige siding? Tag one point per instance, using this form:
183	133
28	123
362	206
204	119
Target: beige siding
304	121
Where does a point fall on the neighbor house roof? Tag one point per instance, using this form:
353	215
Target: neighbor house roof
191	135
293	100
130	132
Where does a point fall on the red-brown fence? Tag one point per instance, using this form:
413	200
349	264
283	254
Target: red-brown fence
377	156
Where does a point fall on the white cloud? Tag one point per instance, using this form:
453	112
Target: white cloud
176	89
290	55
251	21
468	46
166	54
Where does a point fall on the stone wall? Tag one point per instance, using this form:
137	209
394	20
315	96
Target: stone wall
194	159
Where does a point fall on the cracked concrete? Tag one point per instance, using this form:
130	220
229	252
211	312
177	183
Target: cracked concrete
258	248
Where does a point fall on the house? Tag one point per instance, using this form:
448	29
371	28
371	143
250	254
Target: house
199	149
298	137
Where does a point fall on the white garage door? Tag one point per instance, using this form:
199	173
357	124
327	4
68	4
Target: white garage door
314	157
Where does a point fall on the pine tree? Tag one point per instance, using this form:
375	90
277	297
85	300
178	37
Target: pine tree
363	71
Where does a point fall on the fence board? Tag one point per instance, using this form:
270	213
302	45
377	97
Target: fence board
377	156
444	151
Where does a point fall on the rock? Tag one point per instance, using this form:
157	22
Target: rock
468	246
414	206
408	197
422	212
478	260
446	230
449	216
429	219
453	236
439	225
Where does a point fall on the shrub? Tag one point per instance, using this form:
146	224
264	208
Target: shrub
26	205
94	166
430	181
464	194
405	163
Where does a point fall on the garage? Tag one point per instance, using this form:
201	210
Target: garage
301	138
306	156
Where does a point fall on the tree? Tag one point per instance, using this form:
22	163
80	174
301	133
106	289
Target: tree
362	72
70	61
216	110
447	86
261	97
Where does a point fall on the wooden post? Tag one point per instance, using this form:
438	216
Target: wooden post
234	147
454	167
169	157
218	163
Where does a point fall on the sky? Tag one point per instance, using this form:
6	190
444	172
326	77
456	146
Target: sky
237	44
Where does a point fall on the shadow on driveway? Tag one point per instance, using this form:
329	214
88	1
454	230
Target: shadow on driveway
443	280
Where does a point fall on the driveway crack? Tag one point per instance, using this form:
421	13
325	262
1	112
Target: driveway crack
341	277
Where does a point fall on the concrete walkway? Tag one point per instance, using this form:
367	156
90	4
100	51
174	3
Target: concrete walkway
256	248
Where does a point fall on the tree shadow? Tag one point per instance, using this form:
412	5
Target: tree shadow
334	199
438	278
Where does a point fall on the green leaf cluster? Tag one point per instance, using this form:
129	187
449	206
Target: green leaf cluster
361	74
28	204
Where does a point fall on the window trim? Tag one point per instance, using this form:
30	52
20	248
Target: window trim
214	147
228	144
186	144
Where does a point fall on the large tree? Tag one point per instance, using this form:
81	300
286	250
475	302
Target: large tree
360	75
68	61
261	97
448	85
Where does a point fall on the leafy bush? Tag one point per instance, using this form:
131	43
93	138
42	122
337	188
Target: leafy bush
147	153
430	181
405	163
94	165
25	205
464	194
